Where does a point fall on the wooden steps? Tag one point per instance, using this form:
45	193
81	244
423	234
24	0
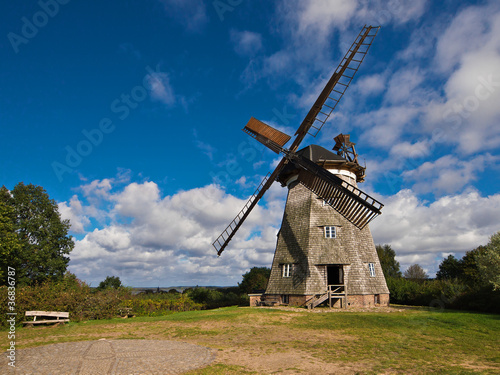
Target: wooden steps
333	292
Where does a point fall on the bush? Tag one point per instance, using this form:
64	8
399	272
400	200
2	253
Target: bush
220	297
444	294
85	303
161	306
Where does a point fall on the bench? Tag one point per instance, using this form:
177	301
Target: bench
47	317
126	312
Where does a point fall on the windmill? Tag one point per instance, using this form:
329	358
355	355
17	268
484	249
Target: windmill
307	270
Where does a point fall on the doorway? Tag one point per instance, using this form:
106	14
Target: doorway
335	275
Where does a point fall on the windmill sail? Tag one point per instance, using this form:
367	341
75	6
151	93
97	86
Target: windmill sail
221	242
352	203
267	135
336	86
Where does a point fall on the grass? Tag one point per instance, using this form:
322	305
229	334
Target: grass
259	340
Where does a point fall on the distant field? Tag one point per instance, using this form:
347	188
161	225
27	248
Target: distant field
265	340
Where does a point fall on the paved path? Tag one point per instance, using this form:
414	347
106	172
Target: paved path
114	357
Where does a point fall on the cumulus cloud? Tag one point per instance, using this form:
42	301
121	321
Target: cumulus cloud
154	239
422	233
75	213
166	240
468	52
447	174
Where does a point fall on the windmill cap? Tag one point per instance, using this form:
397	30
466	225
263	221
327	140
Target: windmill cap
319	154
332	161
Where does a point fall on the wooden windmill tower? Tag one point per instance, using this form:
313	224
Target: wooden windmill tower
324	251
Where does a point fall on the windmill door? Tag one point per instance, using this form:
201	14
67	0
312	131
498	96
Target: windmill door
335	275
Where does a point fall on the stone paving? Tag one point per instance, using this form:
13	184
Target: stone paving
114	357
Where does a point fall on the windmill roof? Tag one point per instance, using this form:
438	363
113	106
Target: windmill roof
317	153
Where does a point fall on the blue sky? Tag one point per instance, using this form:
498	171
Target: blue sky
129	114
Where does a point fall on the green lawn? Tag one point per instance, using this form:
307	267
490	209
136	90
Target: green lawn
261	340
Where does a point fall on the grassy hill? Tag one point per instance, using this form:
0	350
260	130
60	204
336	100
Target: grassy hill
269	340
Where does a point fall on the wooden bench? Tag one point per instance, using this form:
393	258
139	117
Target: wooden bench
47	317
126	312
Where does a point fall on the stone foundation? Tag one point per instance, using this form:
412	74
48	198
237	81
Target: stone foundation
255	299
366	300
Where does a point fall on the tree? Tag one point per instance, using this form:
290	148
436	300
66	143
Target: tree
387	258
470	273
489	262
415	272
110	282
255	279
42	235
450	268
9	242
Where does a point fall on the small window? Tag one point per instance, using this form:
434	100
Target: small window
330	232
285	298
371	267
287	270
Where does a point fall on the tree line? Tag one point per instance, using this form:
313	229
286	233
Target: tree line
470	283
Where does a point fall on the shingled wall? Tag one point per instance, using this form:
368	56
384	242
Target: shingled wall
301	242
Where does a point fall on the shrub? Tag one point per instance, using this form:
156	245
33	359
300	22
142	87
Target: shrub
160	306
85	303
220	297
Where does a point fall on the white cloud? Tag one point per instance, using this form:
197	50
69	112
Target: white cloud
167	240
370	85
402	85
410	150
468	32
99	189
384	126
420	233
380	12
319	17
447	174
246	43
469	52
74	212
160	88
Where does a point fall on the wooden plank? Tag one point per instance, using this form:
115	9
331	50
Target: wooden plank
62	314
258	127
51	321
